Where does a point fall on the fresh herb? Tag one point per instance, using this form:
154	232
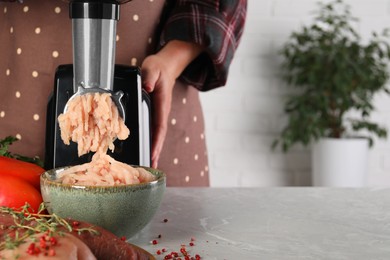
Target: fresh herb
27	224
4	145
4	151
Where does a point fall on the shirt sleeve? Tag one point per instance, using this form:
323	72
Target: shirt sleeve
215	25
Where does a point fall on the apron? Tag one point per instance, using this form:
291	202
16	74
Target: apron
35	37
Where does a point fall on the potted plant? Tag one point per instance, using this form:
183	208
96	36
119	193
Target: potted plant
336	76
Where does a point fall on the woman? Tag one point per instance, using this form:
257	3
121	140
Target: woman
181	47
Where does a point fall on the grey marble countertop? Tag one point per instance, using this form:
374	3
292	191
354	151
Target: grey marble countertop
272	223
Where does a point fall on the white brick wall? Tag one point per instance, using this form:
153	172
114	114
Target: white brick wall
243	118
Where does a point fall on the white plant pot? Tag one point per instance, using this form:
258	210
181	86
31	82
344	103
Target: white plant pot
340	162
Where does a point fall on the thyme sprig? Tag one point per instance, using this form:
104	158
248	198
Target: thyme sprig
4	151
27	224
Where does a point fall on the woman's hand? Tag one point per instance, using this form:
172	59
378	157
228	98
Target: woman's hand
159	73
158	79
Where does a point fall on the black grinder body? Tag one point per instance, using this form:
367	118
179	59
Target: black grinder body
93	34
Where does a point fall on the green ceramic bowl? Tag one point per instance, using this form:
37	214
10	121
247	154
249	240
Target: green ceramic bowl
123	210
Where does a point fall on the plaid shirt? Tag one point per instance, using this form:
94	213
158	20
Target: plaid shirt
215	25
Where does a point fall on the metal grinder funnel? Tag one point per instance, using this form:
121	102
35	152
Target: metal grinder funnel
94	38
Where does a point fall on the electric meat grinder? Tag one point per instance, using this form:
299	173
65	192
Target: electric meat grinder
94	70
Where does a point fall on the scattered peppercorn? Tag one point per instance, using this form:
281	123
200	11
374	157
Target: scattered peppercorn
184	254
183	251
53	241
46	244
51	252
30	249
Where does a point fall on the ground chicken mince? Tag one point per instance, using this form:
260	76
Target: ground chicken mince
92	121
103	170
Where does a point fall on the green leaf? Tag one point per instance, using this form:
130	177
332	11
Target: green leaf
4	145
4	151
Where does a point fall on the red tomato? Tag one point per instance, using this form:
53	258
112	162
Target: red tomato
27	171
15	193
